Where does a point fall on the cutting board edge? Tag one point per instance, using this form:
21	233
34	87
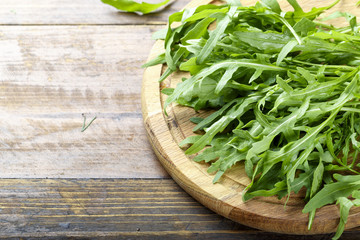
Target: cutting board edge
239	215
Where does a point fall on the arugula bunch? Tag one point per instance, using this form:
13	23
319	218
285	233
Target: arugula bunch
287	93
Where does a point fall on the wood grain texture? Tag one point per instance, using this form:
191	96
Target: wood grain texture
77	12
115	209
50	75
94	12
165	132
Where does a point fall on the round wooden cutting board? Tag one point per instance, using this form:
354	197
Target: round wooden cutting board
224	197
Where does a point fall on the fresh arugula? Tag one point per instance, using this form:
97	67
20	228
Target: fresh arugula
286	90
139	8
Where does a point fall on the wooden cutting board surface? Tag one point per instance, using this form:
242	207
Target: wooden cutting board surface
266	213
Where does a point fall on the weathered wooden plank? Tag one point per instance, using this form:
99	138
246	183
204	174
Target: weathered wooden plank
95	12
77	12
50	75
115	209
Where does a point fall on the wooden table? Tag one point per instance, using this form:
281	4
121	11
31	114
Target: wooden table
61	61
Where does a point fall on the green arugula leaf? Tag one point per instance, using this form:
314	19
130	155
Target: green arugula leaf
285	51
222	23
296	6
345	205
132	6
158	60
273	5
330	193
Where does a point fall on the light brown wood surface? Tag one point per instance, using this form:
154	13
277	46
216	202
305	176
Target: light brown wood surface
166	132
53	74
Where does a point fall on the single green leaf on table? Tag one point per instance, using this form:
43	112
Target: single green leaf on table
139	8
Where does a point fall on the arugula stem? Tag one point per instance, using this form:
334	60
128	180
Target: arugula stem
86	127
324	25
337	67
347	109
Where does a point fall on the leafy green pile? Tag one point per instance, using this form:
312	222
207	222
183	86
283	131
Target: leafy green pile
286	89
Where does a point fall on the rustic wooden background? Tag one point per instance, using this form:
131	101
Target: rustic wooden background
58	61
